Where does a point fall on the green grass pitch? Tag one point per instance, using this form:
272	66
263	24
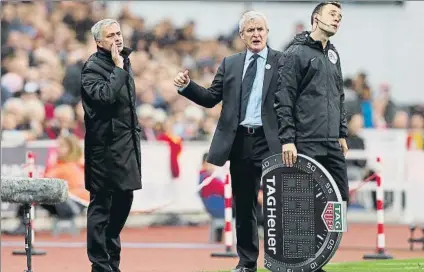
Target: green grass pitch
406	265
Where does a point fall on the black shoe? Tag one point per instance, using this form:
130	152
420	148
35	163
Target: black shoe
244	269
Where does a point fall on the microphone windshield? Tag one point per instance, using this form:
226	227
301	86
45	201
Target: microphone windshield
26	190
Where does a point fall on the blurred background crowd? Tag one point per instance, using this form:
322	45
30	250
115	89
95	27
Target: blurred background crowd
44	45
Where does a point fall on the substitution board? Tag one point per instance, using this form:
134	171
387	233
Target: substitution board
305	216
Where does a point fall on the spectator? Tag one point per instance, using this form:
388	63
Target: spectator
416	132
34	117
16	107
167	135
71	81
389	106
193	117
69	166
63	122
400	120
145	115
79	127
352	101
367	108
215	186
31	91
355	168
12	84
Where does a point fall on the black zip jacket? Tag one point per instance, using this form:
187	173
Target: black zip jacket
310	98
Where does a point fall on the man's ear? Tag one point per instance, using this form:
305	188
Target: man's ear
315	19
241	35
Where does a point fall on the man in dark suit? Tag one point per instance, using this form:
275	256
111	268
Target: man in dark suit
112	144
247	128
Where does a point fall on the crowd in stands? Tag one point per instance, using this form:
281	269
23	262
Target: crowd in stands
44	46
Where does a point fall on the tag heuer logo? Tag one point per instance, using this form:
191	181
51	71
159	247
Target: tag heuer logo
302	237
334	217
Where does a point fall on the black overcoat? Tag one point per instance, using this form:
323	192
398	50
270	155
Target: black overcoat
112	139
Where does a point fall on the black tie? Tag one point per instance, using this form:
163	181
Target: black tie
246	85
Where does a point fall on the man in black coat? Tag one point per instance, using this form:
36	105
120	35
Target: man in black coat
247	129
310	97
112	144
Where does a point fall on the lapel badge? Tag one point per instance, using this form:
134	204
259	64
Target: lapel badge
268	66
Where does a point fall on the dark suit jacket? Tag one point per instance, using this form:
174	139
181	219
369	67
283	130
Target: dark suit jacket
226	87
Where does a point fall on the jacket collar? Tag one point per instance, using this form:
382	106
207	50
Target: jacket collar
106	55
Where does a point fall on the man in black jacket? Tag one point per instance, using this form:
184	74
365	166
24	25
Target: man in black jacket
112	144
310	97
247	128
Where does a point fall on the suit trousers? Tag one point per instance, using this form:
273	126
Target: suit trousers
246	157
106	217
330	155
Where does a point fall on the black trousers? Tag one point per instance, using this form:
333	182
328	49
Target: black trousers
246	157
106	217
330	155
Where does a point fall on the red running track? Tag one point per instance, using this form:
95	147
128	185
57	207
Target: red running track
164	249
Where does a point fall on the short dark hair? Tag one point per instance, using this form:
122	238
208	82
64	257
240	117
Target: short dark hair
320	6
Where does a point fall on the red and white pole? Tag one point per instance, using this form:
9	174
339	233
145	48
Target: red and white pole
228	214
228	218
381	238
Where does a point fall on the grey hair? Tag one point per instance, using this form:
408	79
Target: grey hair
251	15
96	30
